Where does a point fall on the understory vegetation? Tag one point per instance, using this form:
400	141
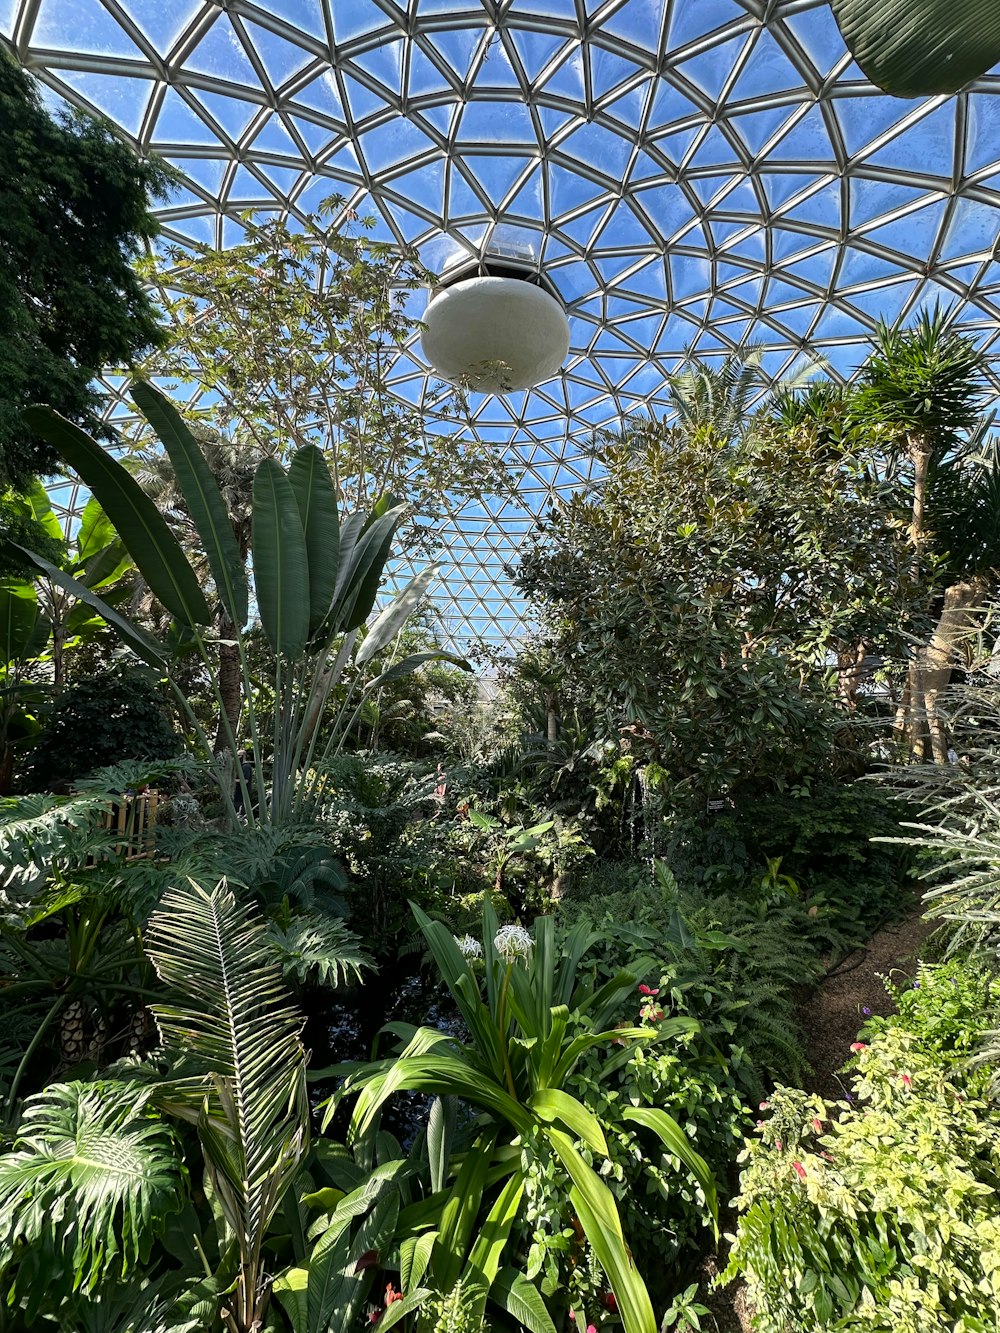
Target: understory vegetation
353	977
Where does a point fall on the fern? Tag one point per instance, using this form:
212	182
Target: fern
319	948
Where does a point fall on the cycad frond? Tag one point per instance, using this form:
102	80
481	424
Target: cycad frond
92	1176
235	1025
316	947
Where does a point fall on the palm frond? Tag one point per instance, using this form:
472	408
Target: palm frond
317	947
92	1176
233	1027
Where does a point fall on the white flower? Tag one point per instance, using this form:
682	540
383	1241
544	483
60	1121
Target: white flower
469	945
512	942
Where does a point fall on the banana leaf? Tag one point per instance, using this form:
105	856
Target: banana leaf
917	48
136	519
280	564
203	498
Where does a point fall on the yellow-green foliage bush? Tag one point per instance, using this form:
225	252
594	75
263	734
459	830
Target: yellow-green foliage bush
879	1214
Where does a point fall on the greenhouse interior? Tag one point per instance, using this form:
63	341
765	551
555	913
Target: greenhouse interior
500	691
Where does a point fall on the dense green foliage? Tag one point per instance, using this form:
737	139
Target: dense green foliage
74	211
879	1214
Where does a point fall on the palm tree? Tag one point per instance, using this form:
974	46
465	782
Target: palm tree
921	392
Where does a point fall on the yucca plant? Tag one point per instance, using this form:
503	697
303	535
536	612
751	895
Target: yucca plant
234	1035
316	576
529	1023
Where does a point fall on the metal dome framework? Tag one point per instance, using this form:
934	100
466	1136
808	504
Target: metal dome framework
693	175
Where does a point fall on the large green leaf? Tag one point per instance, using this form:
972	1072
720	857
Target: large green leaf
443	1075
486	1253
203	498
280	563
598	1214
18	618
364	551
677	1142
312	485
141	643
514	1293
397	613
552	1104
88	1186
915	48
414	662
95	531
459	1214
42	512
136	519
233	1021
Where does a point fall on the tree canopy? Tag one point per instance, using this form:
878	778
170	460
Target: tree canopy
74	211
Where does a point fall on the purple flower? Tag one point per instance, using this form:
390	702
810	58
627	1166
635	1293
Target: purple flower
866	1011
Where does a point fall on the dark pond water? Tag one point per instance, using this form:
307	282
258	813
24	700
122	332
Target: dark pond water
346	1026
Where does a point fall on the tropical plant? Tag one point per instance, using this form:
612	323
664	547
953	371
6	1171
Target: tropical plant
878	1214
916	48
286	333
527	1034
240	1069
88	1186
23	635
921	391
695	603
299	544
75	212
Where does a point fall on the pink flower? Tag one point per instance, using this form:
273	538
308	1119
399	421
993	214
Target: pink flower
817	1125
907	1081
646	990
777	1144
799	1170
764	1106
857	1046
591	1328
373	1318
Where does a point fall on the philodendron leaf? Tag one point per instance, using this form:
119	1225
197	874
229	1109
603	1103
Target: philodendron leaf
138	522
916	48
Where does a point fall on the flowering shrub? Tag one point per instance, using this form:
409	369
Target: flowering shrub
879	1214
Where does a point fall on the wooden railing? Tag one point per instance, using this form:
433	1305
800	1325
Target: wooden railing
132	819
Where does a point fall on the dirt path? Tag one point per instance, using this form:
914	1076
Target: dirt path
831	1017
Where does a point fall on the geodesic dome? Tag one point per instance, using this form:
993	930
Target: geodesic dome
691	174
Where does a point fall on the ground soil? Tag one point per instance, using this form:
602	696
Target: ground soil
831	1016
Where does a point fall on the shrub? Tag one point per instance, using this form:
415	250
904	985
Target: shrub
879	1215
107	720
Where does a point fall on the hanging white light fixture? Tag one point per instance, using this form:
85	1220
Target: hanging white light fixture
495	325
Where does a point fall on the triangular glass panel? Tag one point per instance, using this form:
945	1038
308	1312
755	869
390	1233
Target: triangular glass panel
362	101
755	128
807	141
818	34
535	49
874	198
495	69
864	119
457	46
177	123
323	95
767	70
387	145
713	149
162	23
121	99
221	54
690	22
973	230
88	27
232	113
315	137
982	148
914	234
709	70
927	146
384	63
637	21
273	137
281	59
492	122
608	69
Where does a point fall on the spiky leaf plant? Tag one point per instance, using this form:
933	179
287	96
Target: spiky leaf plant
93	1174
235	1036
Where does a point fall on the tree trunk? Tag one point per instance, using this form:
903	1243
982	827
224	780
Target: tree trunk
850	668
551	720
911	719
941	656
231	693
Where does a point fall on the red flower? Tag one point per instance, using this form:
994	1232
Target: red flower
646	990
391	1295
858	1046
610	1302
817	1125
373	1318
799	1170
907	1081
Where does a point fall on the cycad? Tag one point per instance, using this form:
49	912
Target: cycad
93	1174
236	1037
